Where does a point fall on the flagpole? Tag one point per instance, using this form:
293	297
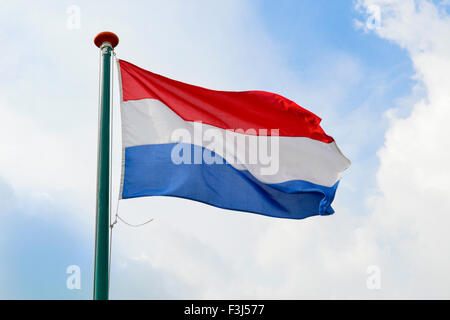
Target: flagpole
106	41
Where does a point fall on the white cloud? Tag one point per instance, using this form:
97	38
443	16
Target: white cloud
411	214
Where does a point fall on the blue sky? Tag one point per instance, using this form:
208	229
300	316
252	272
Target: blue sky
366	85
314	33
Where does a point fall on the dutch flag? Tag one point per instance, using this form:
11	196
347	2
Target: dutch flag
251	151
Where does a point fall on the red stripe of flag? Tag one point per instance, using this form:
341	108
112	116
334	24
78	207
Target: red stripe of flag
223	109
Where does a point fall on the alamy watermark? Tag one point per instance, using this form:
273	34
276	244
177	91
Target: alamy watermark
373	281
74	279
73	21
250	147
373	20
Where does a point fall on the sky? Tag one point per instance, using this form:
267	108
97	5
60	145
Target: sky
375	71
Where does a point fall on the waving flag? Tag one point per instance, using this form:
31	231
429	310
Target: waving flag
250	151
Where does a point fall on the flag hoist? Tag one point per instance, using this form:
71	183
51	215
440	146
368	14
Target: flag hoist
106	41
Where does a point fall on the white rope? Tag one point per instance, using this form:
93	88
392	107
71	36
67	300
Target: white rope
134	225
111	134
114	61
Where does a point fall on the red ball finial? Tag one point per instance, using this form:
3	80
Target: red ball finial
106	36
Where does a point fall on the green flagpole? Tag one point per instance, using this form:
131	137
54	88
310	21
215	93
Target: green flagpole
106	41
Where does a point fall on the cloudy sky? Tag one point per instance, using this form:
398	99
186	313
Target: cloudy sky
376	72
